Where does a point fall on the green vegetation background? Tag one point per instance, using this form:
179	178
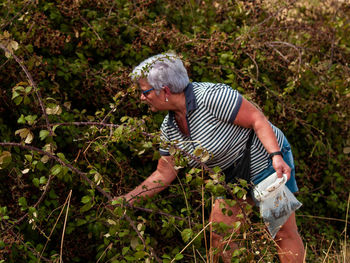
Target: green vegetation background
73	132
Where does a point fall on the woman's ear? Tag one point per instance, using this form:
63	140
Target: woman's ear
167	93
166	90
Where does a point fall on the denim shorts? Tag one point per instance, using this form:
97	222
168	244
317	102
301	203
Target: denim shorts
288	158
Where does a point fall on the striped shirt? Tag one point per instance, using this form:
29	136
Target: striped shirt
210	111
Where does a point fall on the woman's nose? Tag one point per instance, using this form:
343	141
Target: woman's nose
142	96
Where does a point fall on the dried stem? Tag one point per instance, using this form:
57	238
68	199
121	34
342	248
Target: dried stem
192	240
54	226
65	223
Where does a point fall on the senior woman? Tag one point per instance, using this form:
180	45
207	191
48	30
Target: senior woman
221	120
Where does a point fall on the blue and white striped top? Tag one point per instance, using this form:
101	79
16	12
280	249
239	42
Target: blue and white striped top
210	111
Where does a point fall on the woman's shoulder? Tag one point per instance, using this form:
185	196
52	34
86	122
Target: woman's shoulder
210	88
208	91
209	85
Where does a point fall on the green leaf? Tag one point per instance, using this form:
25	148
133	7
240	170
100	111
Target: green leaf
28	157
188	178
130	258
26	100
80	222
217	169
86	207
54	127
52	194
28	89
186	234
179	257
21	119
18	100
124	118
42	180
22	202
36	182
56	169
86	199
43	134
15	94
125	250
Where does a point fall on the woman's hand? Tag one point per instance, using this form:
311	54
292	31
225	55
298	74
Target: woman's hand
280	166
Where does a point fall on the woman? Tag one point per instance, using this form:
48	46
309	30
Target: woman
220	119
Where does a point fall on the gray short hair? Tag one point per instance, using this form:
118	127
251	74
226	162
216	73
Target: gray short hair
163	70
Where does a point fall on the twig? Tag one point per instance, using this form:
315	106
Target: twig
230	238
110	10
104	252
188	216
91	27
54	226
346	226
304	259
211	252
193	239
272	43
76	123
324	260
64	225
324	218
203	219
201	255
280	53
4	63
32	83
256	65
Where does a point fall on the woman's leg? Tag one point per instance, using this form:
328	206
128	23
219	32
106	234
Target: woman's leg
290	246
225	248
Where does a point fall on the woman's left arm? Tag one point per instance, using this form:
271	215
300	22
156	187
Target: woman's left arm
249	116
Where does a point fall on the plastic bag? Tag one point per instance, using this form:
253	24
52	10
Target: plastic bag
276	202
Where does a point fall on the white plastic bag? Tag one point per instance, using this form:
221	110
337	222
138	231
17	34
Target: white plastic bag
276	202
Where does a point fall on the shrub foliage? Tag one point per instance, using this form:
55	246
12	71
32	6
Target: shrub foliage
73	133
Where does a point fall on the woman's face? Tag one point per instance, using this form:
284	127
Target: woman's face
153	100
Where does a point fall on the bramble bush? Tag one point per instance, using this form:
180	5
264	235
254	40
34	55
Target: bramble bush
74	135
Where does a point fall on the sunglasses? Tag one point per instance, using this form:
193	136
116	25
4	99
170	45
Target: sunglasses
146	91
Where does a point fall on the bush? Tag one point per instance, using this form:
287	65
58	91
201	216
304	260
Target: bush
73	133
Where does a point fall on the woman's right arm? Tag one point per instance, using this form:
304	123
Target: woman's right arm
160	179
